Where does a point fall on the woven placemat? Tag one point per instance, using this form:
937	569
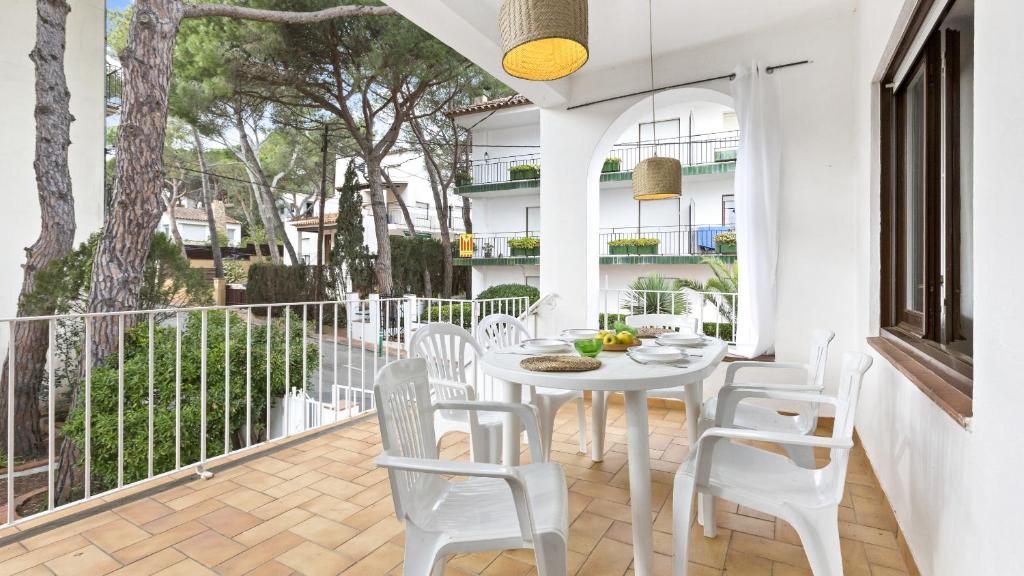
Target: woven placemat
560	364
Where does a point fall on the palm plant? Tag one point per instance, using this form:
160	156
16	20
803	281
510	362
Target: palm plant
655	294
720	291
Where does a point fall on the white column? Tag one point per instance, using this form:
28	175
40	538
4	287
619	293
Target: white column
569	206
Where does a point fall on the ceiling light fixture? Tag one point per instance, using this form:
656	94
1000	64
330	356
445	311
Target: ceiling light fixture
543	39
656	178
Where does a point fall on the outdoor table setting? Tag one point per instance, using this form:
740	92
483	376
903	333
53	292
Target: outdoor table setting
586	359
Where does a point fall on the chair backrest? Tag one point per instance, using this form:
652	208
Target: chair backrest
851	377
406	423
817	358
451	355
674	321
500	331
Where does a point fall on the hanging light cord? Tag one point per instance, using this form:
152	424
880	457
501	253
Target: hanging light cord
650	40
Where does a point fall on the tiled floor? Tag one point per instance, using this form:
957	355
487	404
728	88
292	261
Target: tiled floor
321	507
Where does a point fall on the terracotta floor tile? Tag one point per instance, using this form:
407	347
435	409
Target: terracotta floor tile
42	554
158	542
272	568
115	535
273	526
245	499
379	561
151	564
209	548
143	511
324	532
285	504
89	560
230	521
609	558
187	567
261	554
315	560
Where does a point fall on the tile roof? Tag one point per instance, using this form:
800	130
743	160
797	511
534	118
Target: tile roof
197	215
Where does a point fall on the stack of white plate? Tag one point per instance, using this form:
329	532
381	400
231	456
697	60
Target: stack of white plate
579	334
679	339
544	346
656	354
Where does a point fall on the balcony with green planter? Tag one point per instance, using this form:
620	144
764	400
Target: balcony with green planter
633	246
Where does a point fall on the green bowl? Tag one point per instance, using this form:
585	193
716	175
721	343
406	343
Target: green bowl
590	347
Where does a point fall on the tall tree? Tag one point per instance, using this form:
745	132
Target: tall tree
371	74
29	340
208	198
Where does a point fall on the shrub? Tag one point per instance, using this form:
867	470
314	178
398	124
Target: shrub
635	242
458	314
510	291
136	394
655	294
528	243
726	237
721	330
235	272
463	178
279	283
612	164
524	172
606	321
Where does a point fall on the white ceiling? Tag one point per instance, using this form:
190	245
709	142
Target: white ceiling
618	28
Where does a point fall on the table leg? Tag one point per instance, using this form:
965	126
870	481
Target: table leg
598	417
511	427
640	481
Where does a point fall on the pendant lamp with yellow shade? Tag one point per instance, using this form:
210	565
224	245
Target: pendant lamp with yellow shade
543	39
656	178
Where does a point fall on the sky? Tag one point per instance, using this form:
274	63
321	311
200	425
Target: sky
117	4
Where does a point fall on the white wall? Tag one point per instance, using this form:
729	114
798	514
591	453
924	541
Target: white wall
956	492
19	218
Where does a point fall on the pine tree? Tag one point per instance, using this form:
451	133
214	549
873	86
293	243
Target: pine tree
350	258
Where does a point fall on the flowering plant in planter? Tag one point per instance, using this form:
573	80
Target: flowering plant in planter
526	246
612	164
634	246
725	242
524	172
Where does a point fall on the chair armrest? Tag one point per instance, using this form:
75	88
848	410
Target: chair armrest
525	412
729	399
734	367
712	436
471	469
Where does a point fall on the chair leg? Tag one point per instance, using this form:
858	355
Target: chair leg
707	515
581	412
682	518
599	413
545	421
494	441
421	554
551	555
819	533
802	456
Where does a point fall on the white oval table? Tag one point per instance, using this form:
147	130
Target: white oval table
618	373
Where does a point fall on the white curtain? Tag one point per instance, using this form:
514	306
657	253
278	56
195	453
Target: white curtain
757	200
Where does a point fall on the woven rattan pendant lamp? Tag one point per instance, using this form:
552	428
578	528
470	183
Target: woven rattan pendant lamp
543	39
656	178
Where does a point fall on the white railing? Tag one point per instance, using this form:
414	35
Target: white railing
184	387
715	311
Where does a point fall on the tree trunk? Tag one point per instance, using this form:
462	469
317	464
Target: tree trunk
382	265
409	223
211	221
441	208
318	294
30	340
268	207
172	218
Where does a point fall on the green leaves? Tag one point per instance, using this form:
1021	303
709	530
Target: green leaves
655	294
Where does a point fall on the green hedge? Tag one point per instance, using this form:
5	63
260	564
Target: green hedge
279	283
510	291
606	321
721	330
611	165
460	314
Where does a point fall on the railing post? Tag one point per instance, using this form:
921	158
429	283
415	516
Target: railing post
474	308
410	317
375	324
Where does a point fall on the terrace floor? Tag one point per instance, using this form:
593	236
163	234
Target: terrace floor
317	505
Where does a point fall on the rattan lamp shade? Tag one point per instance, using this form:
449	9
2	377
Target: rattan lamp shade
543	39
657	178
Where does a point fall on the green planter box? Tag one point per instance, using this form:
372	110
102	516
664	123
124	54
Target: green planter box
628	250
525	251
726	248
612	165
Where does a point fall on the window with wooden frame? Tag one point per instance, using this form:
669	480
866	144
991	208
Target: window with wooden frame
926	168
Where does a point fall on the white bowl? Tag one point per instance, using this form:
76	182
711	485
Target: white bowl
655	354
544	345
579	334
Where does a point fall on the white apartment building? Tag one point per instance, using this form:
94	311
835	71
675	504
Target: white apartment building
409	176
504	188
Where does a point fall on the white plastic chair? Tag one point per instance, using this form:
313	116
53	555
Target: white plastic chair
450	353
498	331
769	482
496	508
677	322
755	417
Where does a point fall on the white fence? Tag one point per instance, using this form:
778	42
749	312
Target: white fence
181	388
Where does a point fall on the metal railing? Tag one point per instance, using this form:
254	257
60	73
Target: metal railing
113	87
715	311
689	150
496	245
183	388
680	240
425	219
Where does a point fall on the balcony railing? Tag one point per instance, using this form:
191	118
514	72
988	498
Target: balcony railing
425	219
185	387
681	240
715	311
113	87
689	150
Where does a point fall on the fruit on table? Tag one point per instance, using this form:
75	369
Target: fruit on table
623	338
610	339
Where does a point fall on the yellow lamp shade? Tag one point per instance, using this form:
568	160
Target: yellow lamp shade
543	39
657	178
